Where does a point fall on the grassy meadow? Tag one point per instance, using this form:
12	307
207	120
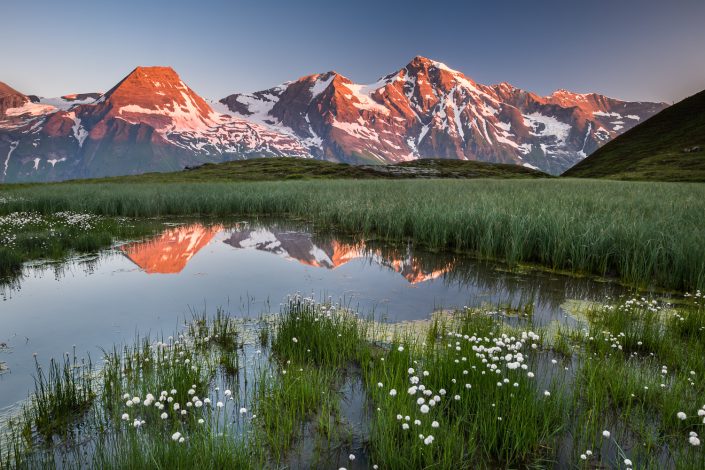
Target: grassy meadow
467	389
649	235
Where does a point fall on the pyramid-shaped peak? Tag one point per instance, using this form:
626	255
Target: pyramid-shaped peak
7	90
421	62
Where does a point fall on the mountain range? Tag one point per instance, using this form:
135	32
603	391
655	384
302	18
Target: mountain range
151	121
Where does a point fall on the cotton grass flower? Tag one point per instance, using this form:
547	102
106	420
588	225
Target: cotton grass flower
176	436
393	392
428	440
627	462
435	424
682	416
125	417
424	409
243	411
606	434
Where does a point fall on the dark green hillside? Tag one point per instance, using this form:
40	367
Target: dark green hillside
668	147
269	169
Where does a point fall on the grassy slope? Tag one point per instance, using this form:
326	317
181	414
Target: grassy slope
654	150
269	169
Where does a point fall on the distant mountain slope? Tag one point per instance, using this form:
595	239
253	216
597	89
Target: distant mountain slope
150	121
427	110
668	147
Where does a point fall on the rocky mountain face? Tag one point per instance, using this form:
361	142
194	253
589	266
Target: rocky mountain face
150	121
429	110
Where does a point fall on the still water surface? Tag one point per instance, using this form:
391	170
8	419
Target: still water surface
150	287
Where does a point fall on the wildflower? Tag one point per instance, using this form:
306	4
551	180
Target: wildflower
351	457
694	441
411	371
420	401
606	434
456	398
547	393
173	391
181	440
380	384
393	392
219	404
295	340
400	348
126	396
417	422
227	393
424	409
176	436
201	421
583	457
176	407
428	440
125	417
435	424
627	462
405	426
399	417
243	411
198	404
164	416
682	416
588	453
442	392
530	375
183	412
191	391
207	401
128	403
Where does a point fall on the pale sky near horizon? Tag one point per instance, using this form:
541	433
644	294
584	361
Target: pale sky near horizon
631	49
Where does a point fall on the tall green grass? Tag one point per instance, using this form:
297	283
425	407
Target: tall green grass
646	234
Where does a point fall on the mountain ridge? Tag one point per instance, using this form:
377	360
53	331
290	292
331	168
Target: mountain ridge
427	109
152	121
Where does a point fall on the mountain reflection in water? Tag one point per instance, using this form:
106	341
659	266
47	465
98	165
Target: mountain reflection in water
170	252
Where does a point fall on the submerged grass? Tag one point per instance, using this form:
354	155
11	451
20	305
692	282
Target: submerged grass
478	388
646	234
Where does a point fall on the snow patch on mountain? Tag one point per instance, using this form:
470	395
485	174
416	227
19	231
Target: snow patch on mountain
13	146
547	126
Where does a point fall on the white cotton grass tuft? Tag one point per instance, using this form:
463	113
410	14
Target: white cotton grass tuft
682	416
606	434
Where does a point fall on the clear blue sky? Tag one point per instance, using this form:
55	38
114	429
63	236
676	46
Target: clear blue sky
631	49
